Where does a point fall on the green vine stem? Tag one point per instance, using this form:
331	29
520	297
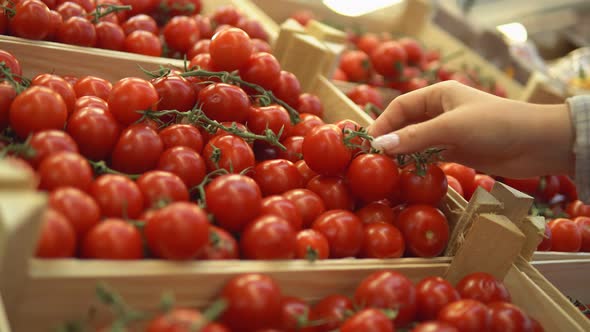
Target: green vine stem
350	135
11	78
123	312
200	188
101	167
24	150
103	10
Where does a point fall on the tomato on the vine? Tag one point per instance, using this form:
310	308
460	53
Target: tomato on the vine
31	20
382	240
425	230
228	152
294	311
113	239
161	187
294	146
230	49
370	319
565	235
331	311
64	169
308	203
130	95
356	65
138	149
276	176
324	150
110	36
182	135
57	238
268	237
333	191
466	315
224	103
376	212
184	162
344	232
117	196
508	317
77	31
80	209
288	88
428	187
140	22
35	109
262	69
307	122
221	245
311	104
483	287
389	58
432	294
175	92
143	42
372	177
93	86
95	130
59	85
311	245
48	142
181	32
434	326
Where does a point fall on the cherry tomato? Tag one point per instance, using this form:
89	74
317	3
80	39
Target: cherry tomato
80	209
388	59
277	176
130	95
311	245
233	212
90	101
368	42
364	94
230	49
288	88
382	240
545	244
234	154
344	232
12	63
324	150
428	188
117	196
141	6
268	237
59	85
182	135
308	203
281	207
372	177
333	191
138	149
356	65
48	142
110	36
388	290
177	320
113	239
293	311
434	326
181	32
69	9
331	311
7	95
306	123
311	104
77	31
221	245
58	237
31	20
254	302
95	130
262	69
93	86
432	294
161	186
425	230
376	212
177	231
294	145
184	162
35	109
455	184
464	174
529	185
482	287
565	235
583	224
414	51
506	317
484	181
140	22
306	172
88	5
253	28
143	42
303	16
200	47
65	169
577	208
466	315
259	45
548	187
225	102
368	320
567	187
273	117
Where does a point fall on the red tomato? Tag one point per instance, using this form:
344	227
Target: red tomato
455	184
331	311
11	62
274	117
545	244
58	237
294	145
234	200
565	235
113	239
177	320
65	169
306	123
376	212
110	36
432	294
230	49
333	192
311	245
177	231
130	95
48	142
281	207
226	15
141	6
583	224
484	181
339	75
528	186
182	135
364	94
7	95
138	149
506	317
225	102
567	188
482	287
205	26
234	154
324	150
259	45
222	245
90	101
160	187
31	20
372	177
184	162
429	188
466	315
117	196
308	203
59	85
79	208
368	42
578	208
434	326
288	88
140	22
356	65
344	231
373	320
268	237
254	302
382	240
303	16
389	58
77	31
143	42
388	290
306	172
425	230
200	47
262	69
176	93
253	28
293	311
311	104
464	174
548	187
36	109
414	51
181	32
95	130
93	86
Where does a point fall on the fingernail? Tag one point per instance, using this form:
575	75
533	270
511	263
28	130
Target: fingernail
385	142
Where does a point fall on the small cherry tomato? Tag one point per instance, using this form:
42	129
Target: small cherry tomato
113	239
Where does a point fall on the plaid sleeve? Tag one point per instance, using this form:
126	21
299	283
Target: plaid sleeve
580	111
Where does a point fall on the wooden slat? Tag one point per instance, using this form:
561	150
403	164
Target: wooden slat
254	12
570	276
515	204
4	326
534	230
340	106
286	32
325	32
306	57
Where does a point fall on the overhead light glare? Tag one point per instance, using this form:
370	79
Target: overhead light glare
514	32
358	7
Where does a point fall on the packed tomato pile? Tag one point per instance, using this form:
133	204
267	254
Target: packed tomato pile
385	301
171	28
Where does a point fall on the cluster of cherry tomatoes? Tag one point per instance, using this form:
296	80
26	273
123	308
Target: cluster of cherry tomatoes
384	301
172	28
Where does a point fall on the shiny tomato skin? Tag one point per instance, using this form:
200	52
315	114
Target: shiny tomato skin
307	122
138	149
236	154
545	244
506	317
235	200
35	109
311	245
294	145
425	230
31	20
306	172
57	237
273	117
11	62
259	45
331	310
414	51
482	287
130	95
368	42
117	196
311	104
356	65
432	294
182	135
113	239
140	22
253	28
59	85
429	188
344	232
95	130
333	191
176	320
268	237
565	235
382	240
254	302
225	103
364	94
282	207
79	208
175	92
184	162
230	49
181	32
160	187
143	42
177	231
466	315
308	203
528	185
455	184
583	224
288	88
77	31
65	169
376	212
388	290
90	101
110	36
465	175
221	245
434	326
368	320
48	142
388	59
324	150
93	86
372	177
262	69
293	311
577	208
484	181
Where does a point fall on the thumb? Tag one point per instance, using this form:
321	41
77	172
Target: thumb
416	137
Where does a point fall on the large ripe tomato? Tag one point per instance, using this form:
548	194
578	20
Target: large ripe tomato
293	311
140	22
545	244
254	302
7	95
268	237
425	230
138	149
308	203
583	224
432	294
177	231
181	32
307	122
176	93
48	142
58	237
184	162
356	65
233	154
434	326
388	290
294	145
311	245
482	287
388	59
225	103
428	188
65	169
31	20
234	200
36	109
382	240
565	235
273	117
161	187
221	245
282	207
466	315
508	317
331	311
79	208
59	85
117	196
95	130
288	88
376	212
372	177
110	36
306	172
371	319
77	31
333	192
344	231
262	69
310	104
143	42
93	86
113	239
465	175
324	150
182	135
130	95
230	49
